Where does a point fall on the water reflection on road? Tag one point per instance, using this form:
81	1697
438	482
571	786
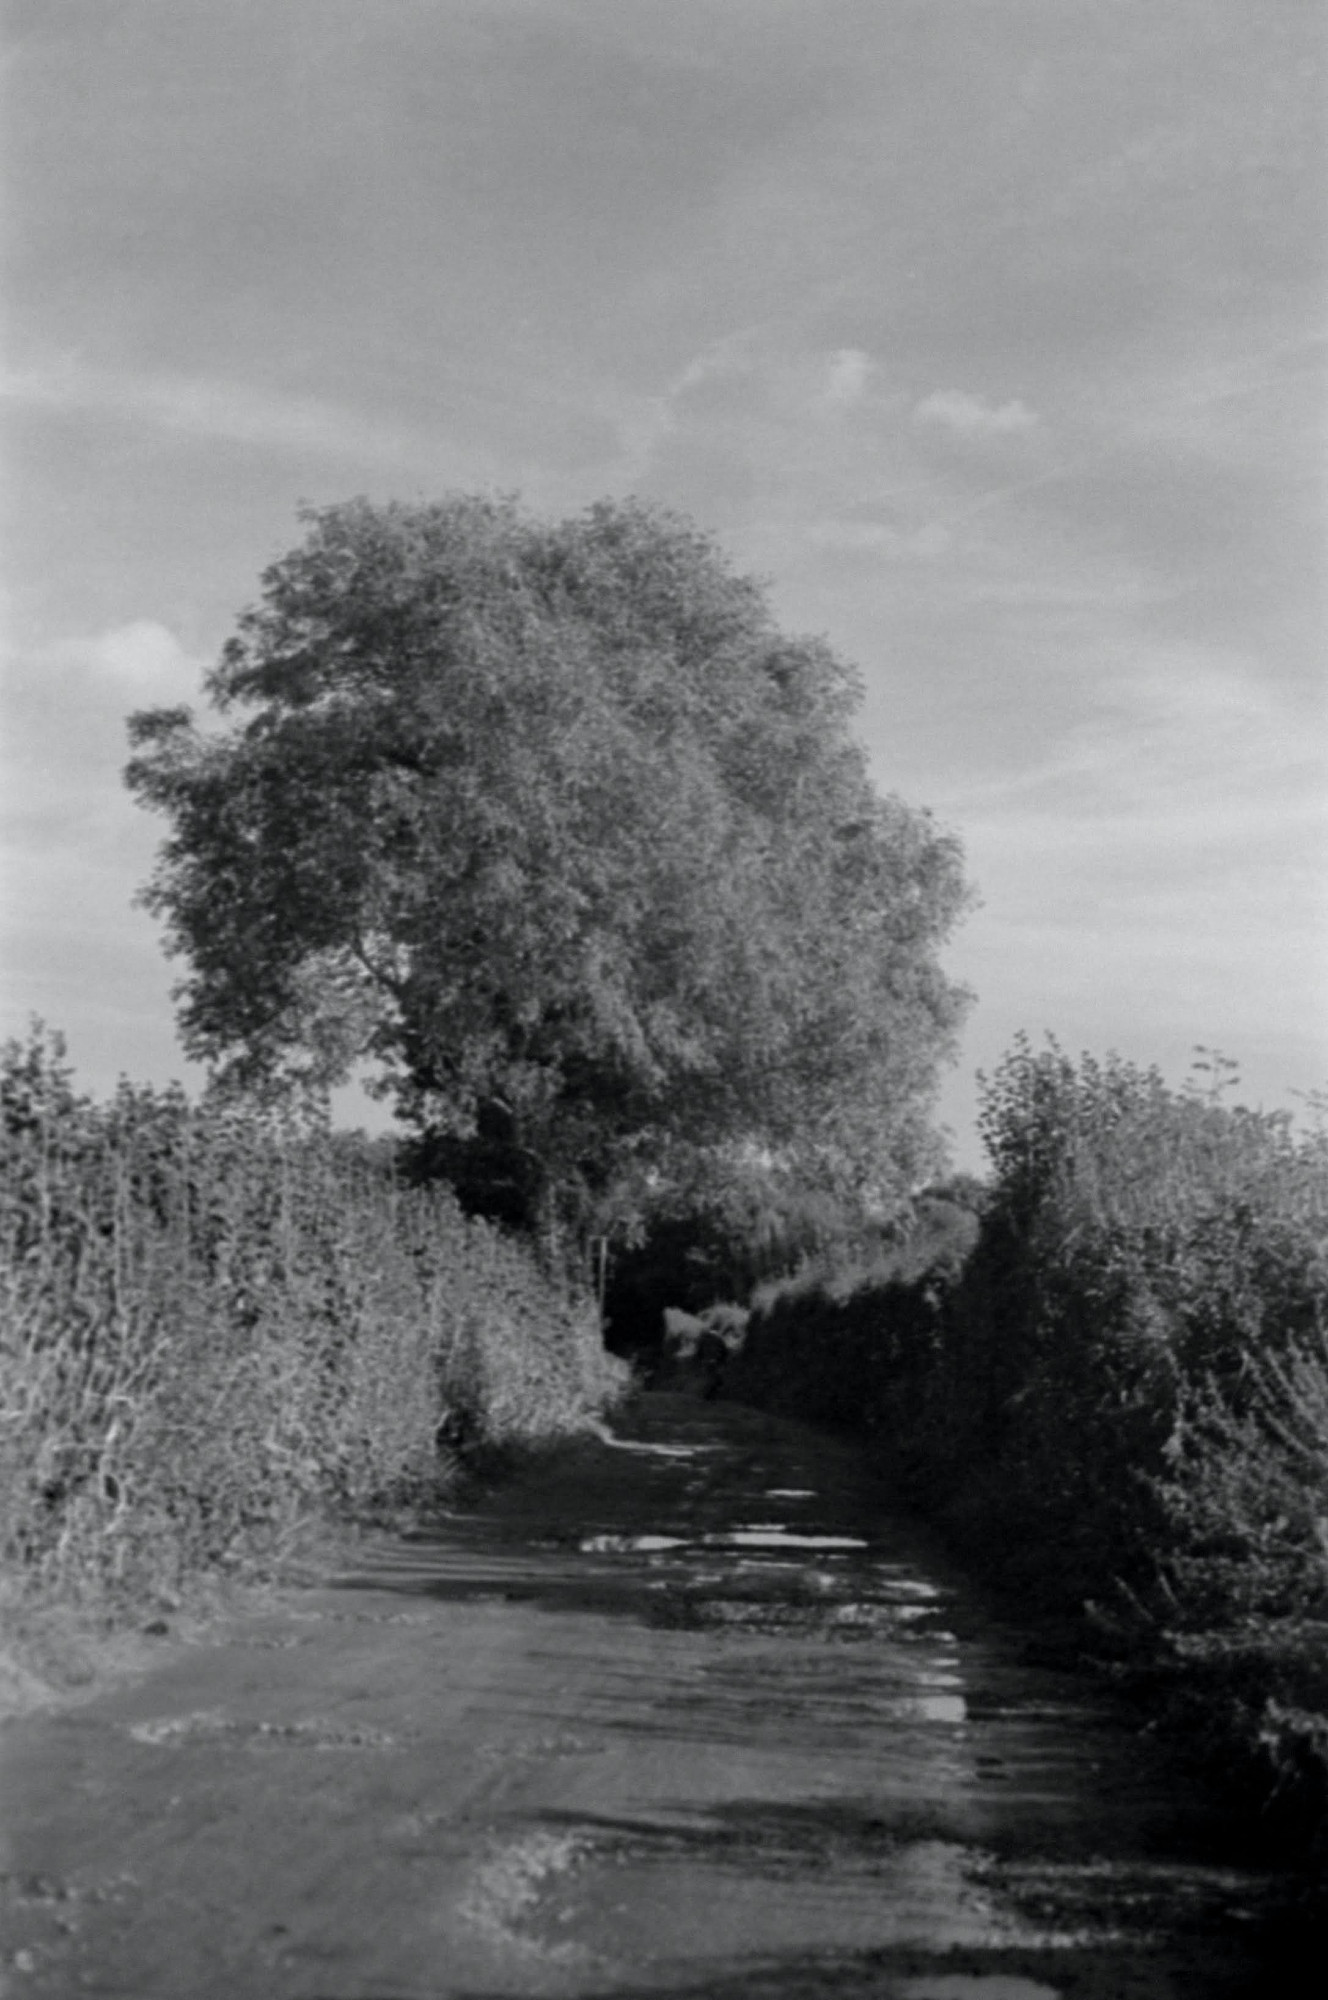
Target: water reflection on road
843	1773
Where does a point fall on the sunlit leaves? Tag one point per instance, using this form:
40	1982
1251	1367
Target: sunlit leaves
553	825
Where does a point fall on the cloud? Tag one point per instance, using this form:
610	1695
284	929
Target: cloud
64	738
216	410
847	377
842	536
798	448
969	416
143	657
748	370
1156	878
1174	838
1179	745
74	847
141	660
733	358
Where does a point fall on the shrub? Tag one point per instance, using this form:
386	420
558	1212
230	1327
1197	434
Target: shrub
1119	1397
216	1320
1242	1607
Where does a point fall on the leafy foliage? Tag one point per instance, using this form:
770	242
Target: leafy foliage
1119	1397
713	1236
216	1322
553	825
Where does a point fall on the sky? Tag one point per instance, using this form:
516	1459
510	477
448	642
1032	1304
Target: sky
990	332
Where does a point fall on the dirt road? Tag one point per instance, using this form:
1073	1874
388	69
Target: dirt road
688	1713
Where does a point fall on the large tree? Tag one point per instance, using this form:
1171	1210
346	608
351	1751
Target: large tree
553	826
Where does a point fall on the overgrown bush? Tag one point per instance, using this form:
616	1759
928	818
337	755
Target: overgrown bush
1120	1396
1241	1605
1145	1250
216	1321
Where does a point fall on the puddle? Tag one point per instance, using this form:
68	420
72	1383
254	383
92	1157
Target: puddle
174	1732
782	1538
618	1545
932	1707
975	1986
874	1615
654	1450
537	1749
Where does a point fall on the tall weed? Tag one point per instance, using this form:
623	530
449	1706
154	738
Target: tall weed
215	1321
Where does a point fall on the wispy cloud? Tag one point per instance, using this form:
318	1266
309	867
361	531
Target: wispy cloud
1157	875
845	536
969	416
847	377
143	658
140	659
64	737
73	847
215	411
802	447
1178	744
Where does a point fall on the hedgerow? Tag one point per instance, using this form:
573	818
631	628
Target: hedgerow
219	1322
1120	1396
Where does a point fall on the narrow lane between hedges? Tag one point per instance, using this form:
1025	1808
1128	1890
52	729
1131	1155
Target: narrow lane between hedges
685	1709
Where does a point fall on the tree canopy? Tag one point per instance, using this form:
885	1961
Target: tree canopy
553	826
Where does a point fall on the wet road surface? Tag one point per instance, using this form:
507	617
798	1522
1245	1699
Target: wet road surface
690	1712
